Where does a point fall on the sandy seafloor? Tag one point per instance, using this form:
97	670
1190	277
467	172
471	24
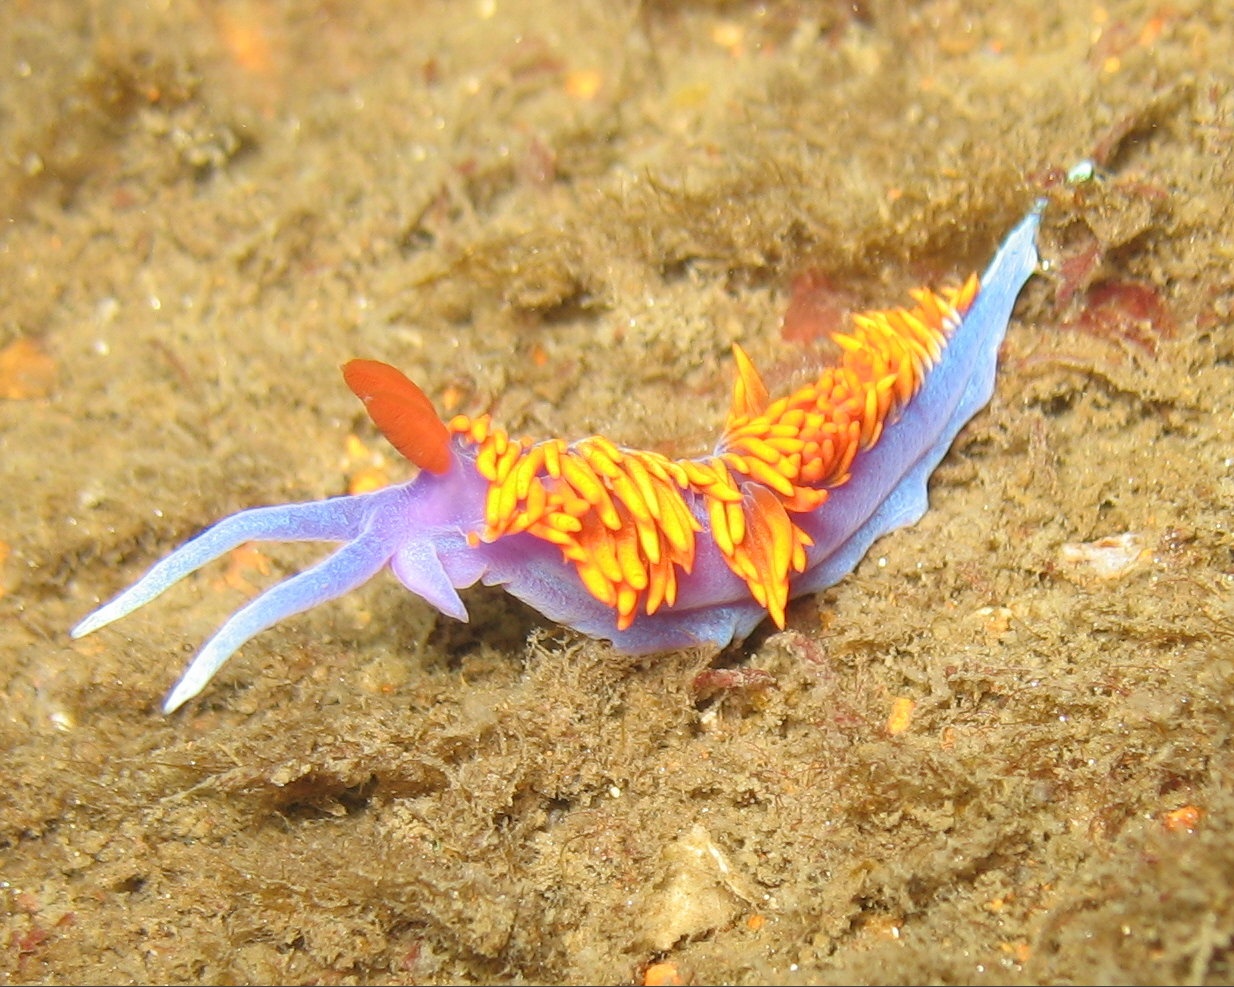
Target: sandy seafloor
999	752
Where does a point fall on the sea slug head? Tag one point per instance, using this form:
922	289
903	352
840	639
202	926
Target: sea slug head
423	529
431	521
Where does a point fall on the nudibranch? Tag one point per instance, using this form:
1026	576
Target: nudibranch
649	552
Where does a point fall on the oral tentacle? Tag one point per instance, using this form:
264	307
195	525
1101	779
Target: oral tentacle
340	519
349	567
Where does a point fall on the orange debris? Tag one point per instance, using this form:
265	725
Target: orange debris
901	715
1184	819
245	38
241	563
367	479
663	974
584	83
26	370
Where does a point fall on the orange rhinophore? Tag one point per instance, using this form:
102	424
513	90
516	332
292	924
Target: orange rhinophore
403	413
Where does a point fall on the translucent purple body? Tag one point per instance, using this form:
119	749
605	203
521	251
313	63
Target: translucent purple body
420	528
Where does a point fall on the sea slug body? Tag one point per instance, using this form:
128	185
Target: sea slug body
648	552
